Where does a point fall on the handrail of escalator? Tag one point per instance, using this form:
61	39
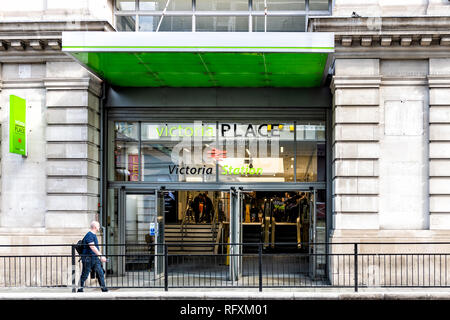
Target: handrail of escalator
214	221
268	226
273	225
183	227
299	238
218	238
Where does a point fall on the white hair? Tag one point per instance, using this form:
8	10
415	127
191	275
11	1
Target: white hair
95	224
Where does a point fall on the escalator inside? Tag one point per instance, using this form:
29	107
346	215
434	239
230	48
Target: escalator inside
279	220
198	223
194	221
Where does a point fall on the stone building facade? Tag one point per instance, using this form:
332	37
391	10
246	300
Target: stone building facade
390	121
390	171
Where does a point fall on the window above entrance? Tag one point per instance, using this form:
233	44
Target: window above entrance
217	15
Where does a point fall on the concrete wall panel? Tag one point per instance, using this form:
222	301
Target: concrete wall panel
72	151
356	114
72	202
360	168
440	114
357	97
72	168
356	150
358	221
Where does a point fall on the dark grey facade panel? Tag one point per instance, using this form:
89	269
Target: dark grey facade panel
125	97
217	113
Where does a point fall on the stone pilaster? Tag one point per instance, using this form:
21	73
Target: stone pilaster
403	164
1	85
73	138
439	148
355	144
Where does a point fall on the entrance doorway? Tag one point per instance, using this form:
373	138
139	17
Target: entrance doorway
228	226
281	222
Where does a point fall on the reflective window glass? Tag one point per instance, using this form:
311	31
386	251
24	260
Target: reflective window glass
310	144
222	5
278	24
241	152
178	152
166	23
160	5
126	23
148	23
221	23
126	151
124	5
176	23
262	152
319	5
278	5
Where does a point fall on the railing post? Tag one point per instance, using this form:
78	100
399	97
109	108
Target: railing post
355	253
260	266
166	265
73	268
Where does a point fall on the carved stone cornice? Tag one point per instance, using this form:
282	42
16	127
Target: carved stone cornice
91	84
42	36
402	80
439	81
385	32
356	82
360	82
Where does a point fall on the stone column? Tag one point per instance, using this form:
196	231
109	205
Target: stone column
439	150
73	139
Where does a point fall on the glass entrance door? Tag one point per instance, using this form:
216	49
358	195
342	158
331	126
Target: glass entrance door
141	232
238	218
317	234
235	252
159	242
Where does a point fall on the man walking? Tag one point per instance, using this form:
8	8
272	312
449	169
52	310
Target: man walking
91	257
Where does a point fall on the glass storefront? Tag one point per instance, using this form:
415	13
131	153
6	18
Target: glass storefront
238	152
217	186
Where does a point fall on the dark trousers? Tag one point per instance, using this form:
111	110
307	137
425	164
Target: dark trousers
206	217
197	216
92	264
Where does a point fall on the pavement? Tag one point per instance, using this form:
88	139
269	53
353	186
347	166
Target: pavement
225	294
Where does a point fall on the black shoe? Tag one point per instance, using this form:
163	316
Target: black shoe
105	290
80	290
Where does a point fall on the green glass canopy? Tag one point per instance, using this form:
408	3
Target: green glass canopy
154	61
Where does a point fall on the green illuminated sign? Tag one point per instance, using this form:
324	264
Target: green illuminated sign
17	125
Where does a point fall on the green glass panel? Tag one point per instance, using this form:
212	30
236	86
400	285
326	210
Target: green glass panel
207	69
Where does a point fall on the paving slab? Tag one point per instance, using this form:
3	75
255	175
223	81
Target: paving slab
189	294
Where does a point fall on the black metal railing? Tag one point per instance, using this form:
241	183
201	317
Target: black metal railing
240	265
